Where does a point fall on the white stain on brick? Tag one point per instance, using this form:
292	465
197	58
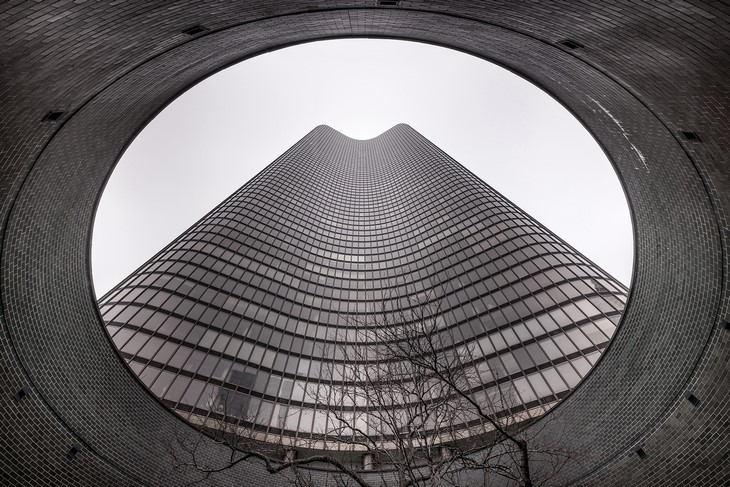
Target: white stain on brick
623	132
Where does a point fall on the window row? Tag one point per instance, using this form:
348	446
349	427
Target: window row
186	393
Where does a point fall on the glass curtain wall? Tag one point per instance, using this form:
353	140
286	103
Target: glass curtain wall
262	309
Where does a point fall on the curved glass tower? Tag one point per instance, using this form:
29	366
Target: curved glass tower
260	309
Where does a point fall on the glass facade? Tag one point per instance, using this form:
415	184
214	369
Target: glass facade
258	307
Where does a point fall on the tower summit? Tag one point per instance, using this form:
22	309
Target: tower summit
263	309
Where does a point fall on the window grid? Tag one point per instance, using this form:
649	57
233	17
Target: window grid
258	303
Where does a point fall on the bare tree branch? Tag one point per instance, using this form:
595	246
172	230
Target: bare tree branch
410	396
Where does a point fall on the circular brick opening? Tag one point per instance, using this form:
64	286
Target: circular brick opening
81	393
236	385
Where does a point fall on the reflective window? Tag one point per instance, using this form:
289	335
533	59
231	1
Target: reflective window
259	310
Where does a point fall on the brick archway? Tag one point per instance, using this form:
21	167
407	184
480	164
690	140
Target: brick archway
79	82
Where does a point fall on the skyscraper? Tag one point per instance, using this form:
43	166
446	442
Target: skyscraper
272	294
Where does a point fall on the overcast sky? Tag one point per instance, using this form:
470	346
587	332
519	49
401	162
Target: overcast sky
220	133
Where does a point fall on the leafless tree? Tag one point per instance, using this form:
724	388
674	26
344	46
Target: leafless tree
412	404
419	405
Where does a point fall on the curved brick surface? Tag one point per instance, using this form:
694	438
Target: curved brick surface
645	73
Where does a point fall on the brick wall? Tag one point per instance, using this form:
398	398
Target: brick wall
646	71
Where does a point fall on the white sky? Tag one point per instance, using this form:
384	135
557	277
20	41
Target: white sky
220	133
